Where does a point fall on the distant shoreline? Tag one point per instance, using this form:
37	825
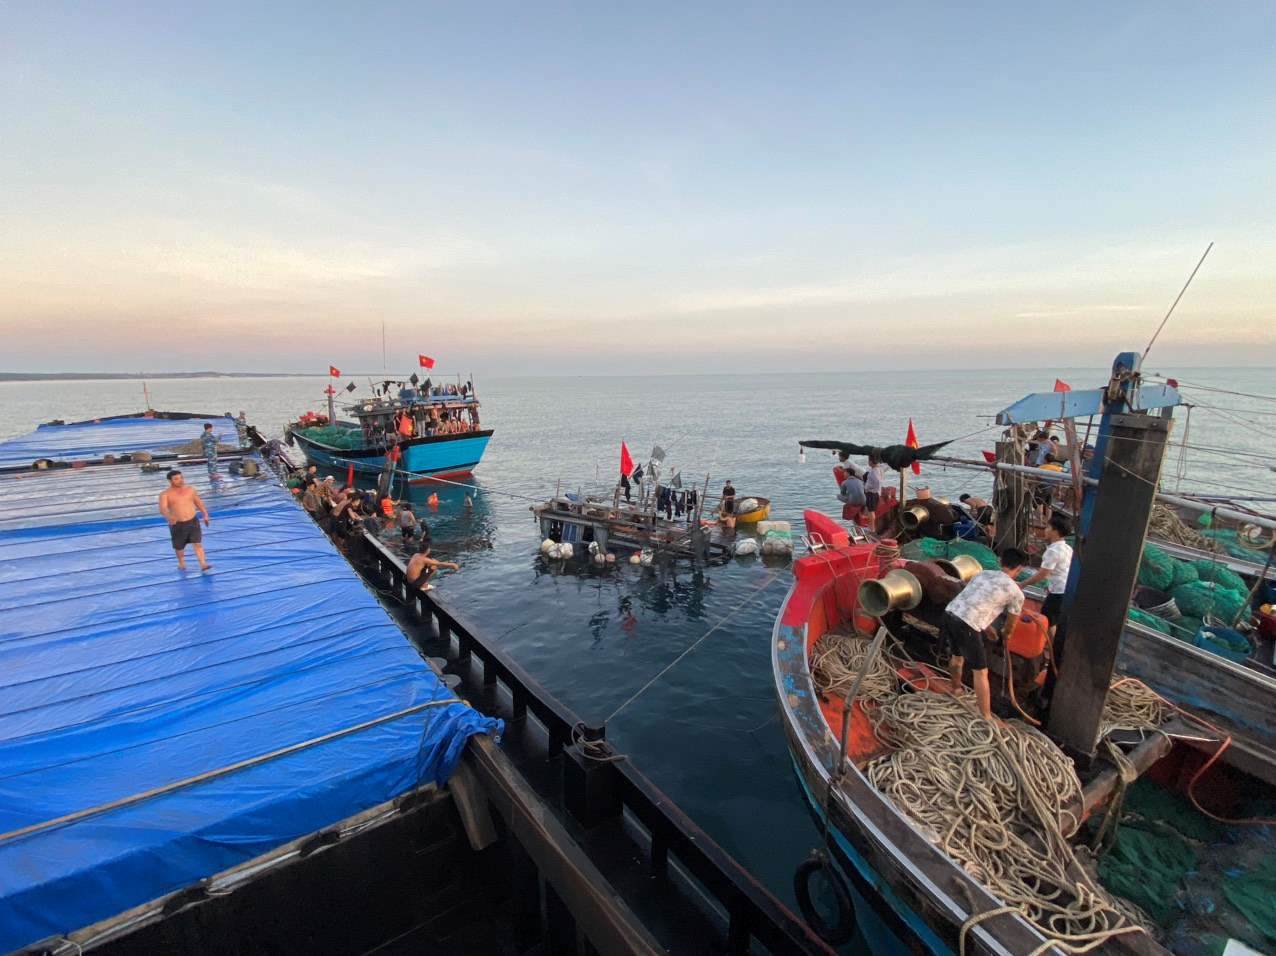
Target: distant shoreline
138	376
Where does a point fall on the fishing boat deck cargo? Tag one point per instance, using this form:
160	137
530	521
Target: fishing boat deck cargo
161	726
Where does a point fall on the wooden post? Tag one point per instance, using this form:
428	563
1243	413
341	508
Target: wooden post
1074	458
1132	447
1009	499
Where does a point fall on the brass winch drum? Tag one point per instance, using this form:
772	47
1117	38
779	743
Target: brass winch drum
963	566
896	591
914	517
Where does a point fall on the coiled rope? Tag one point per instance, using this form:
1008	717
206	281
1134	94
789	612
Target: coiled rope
993	797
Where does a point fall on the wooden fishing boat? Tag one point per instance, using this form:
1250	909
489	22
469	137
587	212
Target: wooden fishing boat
969	881
753	516
424	433
913	896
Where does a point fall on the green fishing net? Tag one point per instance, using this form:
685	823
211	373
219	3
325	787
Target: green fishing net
1156	570
1184	573
333	435
930	549
1207	570
1185	627
1253	892
1139	616
1201	598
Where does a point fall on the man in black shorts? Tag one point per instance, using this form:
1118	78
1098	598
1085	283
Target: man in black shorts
988	595
181	506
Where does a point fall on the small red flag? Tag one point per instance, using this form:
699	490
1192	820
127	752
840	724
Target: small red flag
1061	386
334	371
990	457
626	461
911	442
426	361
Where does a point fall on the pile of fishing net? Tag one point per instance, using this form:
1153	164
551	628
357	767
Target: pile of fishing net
991	796
1156	570
1199	881
930	549
335	436
1208	599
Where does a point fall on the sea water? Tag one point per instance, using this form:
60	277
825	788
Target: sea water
706	730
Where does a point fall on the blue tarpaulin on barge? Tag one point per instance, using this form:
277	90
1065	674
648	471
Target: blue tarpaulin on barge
111	436
120	675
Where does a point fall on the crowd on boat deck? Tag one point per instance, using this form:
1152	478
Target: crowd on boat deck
345	509
419	421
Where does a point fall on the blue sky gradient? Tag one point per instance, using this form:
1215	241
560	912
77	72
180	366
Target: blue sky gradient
549	188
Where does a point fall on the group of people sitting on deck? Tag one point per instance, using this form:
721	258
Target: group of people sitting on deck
464	390
859	491
345	511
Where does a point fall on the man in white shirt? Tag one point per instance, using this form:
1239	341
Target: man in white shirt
1055	564
988	595
872	485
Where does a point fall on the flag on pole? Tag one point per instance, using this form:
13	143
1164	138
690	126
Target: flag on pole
911	442
1061	386
334	371
626	461
426	361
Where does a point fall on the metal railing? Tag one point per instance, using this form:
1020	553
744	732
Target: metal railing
597	787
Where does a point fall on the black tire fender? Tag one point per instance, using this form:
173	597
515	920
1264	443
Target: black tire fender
840	931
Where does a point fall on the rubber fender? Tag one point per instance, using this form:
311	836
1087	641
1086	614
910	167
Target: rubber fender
843	928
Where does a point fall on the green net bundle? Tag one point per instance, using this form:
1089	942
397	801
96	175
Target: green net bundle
931	549
981	553
1184	573
923	549
1207	570
1139	616
1185	627
1156	570
1202	598
1252	893
333	435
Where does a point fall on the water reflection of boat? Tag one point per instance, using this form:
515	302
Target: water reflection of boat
429	432
948	884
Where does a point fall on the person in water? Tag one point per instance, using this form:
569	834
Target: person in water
180	505
407	521
422	567
988	595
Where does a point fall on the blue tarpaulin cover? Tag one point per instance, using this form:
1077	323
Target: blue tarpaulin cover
119	674
112	436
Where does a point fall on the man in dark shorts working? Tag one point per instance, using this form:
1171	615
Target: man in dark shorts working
973	611
422	567
181	506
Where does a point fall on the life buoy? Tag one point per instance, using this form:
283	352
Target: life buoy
841	929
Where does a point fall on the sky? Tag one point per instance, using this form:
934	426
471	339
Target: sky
599	188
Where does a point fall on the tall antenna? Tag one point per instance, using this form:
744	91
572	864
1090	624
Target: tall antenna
1152	341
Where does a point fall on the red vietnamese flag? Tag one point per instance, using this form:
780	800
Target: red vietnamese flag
626	461
334	371
1061	386
990	457
426	361
911	442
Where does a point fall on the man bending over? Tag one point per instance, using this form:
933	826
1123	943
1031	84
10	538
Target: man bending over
973	611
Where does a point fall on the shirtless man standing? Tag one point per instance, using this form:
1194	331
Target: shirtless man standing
179	503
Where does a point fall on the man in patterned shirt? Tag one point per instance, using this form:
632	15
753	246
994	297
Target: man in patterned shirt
988	595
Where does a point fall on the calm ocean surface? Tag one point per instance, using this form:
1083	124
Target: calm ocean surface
707	731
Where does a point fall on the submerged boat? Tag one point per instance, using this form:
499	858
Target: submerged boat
423	433
945	833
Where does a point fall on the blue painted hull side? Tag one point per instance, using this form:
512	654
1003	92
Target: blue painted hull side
459	456
879	936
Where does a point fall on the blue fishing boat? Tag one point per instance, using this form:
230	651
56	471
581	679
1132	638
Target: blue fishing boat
424	431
